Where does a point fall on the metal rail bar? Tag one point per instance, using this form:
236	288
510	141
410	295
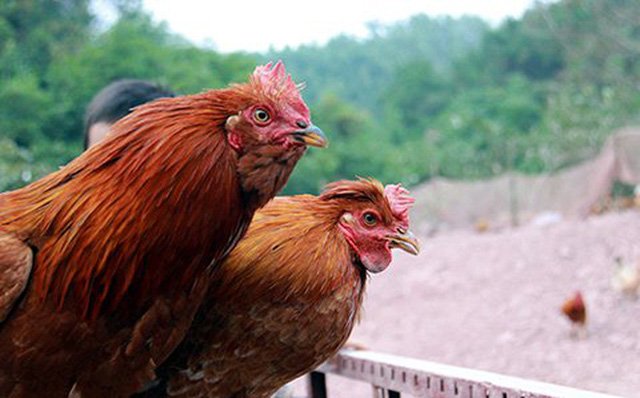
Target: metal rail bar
393	375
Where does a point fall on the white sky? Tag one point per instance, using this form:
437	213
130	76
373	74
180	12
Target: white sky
234	25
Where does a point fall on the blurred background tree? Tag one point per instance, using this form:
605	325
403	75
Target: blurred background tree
420	98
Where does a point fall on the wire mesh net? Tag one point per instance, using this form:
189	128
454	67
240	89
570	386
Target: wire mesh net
515	198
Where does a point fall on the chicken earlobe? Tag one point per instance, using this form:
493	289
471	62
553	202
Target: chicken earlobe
16	261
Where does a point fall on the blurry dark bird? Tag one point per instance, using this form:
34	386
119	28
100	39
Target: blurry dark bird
575	309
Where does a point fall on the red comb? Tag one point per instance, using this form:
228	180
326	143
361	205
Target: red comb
399	200
274	79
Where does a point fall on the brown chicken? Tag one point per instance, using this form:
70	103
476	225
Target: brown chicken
287	298
104	263
575	309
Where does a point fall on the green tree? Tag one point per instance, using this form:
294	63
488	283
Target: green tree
360	71
357	147
490	130
34	32
415	96
54	63
137	47
25	111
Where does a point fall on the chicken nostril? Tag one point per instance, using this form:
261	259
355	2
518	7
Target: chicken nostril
401	230
302	124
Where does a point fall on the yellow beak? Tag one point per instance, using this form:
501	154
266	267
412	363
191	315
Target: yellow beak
406	241
312	136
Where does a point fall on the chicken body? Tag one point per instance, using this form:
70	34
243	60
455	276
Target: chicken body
287	297
258	347
575	310
99	281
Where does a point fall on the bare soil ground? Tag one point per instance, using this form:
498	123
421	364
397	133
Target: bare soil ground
491	301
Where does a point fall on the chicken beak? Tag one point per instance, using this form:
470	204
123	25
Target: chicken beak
311	136
406	241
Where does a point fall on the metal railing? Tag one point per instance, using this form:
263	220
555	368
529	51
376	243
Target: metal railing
392	376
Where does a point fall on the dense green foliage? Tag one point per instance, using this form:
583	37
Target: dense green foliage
361	71
413	100
533	95
53	60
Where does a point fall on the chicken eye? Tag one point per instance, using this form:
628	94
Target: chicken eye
261	115
369	219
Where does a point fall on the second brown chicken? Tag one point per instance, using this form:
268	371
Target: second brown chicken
289	295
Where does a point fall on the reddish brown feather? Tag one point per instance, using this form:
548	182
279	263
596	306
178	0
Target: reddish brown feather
82	214
124	239
360	190
285	299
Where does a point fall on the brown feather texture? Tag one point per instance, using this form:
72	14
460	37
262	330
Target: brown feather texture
124	238
284	301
